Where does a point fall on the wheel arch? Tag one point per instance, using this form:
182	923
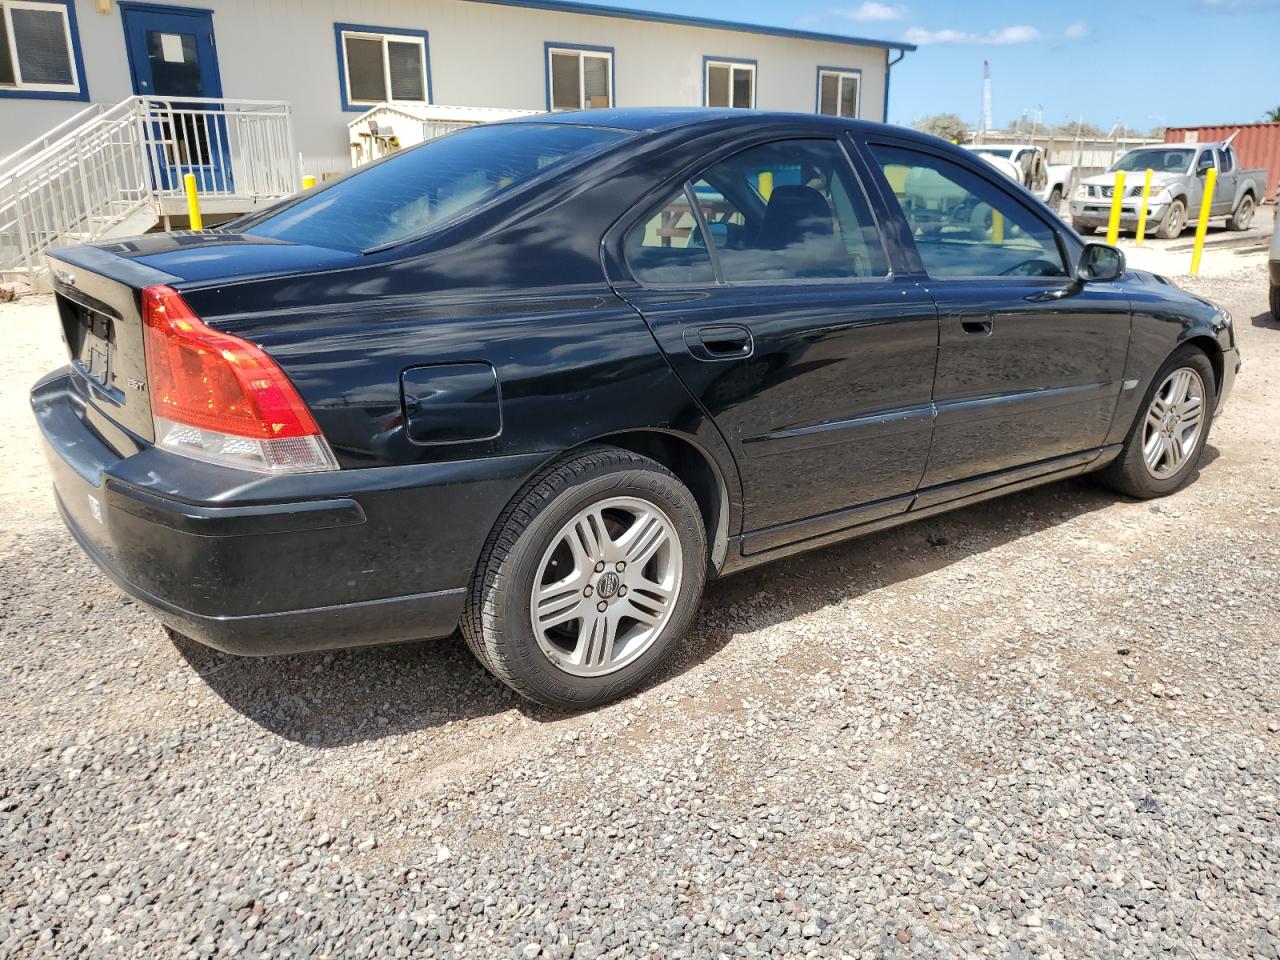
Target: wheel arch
1208	344
696	468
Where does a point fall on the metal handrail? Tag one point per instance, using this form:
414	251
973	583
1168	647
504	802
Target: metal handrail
92	173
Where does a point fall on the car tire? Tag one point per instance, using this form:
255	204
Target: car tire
1275	302
1084	229
1243	215
1174	221
1133	472
544	541
1055	200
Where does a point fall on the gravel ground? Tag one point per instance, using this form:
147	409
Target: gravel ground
1045	726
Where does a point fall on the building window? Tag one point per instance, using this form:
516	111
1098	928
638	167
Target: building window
38	52
839	92
380	65
579	78
729	83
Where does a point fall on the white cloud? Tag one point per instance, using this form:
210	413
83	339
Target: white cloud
872	11
1077	30
1002	37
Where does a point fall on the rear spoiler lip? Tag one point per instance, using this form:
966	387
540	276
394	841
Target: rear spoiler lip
112	266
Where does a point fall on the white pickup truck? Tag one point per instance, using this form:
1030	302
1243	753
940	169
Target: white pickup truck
1179	172
1026	164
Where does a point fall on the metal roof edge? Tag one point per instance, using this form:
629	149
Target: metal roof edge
679	19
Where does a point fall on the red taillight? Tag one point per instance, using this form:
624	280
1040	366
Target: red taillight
213	380
219	398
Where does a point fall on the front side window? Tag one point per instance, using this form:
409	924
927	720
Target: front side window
415	191
838	93
580	79
36	48
964	225
730	84
378	67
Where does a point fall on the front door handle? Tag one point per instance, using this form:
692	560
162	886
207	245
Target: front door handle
727	341
976	328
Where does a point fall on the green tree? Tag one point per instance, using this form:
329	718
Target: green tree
1086	129
1272	115
948	126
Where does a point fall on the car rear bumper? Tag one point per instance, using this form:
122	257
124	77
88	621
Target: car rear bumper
256	565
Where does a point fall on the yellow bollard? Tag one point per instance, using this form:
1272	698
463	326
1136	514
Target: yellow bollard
1203	226
1142	211
766	184
308	182
1113	225
997	226
193	202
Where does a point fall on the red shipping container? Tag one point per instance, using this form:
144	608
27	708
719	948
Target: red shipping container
1257	145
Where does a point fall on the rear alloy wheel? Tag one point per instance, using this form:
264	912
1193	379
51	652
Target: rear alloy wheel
1243	216
1164	447
589	579
1055	200
1175	219
606	586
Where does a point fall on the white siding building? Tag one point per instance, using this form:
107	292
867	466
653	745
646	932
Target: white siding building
332	59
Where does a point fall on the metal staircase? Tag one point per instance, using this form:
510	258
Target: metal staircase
115	171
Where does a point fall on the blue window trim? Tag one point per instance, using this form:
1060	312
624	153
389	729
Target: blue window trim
755	83
82	91
817	96
649	16
340	28
550	45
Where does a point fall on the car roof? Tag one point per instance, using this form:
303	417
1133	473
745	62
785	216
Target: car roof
652	119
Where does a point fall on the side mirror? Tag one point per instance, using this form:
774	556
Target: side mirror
1099	262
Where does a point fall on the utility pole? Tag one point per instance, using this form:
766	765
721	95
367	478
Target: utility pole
986	100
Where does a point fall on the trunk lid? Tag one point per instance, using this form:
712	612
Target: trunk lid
97	289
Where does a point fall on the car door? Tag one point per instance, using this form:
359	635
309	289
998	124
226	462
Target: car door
1029	363
1224	191
1200	173
767	284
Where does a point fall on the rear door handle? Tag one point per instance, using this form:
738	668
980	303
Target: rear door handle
728	341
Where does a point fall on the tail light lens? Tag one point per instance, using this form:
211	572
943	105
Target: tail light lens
218	398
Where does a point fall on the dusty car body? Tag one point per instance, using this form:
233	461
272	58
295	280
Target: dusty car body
1015	159
1179	172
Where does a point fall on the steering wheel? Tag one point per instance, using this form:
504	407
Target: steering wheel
1035	267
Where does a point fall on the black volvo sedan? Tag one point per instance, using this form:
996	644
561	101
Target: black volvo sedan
538	380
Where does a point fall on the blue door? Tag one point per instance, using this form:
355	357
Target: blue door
173	61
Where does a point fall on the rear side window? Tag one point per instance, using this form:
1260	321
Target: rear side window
668	247
422	188
793	212
964	225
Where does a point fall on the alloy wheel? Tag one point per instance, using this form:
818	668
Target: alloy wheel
606	586
1173	423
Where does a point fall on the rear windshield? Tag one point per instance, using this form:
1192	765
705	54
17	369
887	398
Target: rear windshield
412	192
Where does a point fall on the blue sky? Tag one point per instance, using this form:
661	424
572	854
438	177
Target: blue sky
1138	62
